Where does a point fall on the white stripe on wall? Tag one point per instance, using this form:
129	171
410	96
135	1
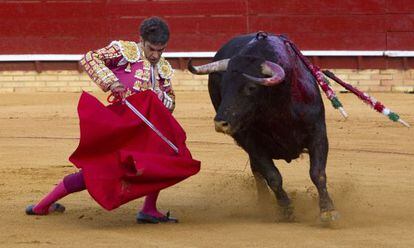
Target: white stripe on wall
322	53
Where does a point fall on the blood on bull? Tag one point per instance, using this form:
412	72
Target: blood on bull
270	103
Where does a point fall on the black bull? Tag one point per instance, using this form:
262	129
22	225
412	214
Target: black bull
268	101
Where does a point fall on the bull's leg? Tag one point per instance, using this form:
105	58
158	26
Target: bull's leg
318	152
261	186
266	168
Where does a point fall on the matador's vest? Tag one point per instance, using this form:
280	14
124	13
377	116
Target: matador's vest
136	72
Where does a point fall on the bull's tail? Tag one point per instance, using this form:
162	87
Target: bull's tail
378	106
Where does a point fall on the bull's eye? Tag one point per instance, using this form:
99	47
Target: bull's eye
250	88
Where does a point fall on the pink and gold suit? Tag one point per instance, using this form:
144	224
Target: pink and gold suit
125	62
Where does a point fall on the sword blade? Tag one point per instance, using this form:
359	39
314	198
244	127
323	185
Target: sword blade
146	121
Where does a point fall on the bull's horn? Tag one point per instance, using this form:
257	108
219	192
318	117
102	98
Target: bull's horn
272	69
216	66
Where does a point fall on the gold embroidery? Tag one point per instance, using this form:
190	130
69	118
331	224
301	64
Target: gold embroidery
95	62
128	67
130	51
147	65
164	69
167	83
139	73
142	86
143	76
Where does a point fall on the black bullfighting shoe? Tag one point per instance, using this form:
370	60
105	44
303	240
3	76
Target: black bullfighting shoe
143	218
54	208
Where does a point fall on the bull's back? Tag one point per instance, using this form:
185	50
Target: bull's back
233	46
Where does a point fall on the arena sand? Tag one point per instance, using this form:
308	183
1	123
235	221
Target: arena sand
370	178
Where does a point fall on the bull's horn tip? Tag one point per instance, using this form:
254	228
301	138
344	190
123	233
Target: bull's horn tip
190	66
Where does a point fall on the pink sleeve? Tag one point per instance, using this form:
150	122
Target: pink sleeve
96	65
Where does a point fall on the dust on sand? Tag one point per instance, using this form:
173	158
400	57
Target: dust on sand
370	178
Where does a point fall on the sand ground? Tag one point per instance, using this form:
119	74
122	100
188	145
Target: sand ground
370	177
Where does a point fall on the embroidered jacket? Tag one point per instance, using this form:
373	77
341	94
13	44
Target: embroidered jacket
125	62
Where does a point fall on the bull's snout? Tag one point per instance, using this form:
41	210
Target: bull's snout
222	126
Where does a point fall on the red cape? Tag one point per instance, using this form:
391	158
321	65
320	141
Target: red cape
123	159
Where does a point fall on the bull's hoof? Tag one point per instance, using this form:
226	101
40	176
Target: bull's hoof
329	216
288	214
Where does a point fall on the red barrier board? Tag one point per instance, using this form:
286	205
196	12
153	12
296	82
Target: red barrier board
73	27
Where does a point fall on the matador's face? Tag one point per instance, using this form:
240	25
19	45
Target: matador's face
153	51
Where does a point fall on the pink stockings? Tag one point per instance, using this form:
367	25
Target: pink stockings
70	184
150	205
43	206
74	183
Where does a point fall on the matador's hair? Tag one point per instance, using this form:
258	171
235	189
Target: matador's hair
155	30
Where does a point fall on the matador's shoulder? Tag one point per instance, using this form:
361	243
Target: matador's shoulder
165	69
128	49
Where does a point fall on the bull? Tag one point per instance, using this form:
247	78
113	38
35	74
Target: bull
270	103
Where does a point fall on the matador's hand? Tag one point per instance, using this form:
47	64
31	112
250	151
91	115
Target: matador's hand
165	99
118	90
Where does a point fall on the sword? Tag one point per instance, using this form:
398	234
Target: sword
143	118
